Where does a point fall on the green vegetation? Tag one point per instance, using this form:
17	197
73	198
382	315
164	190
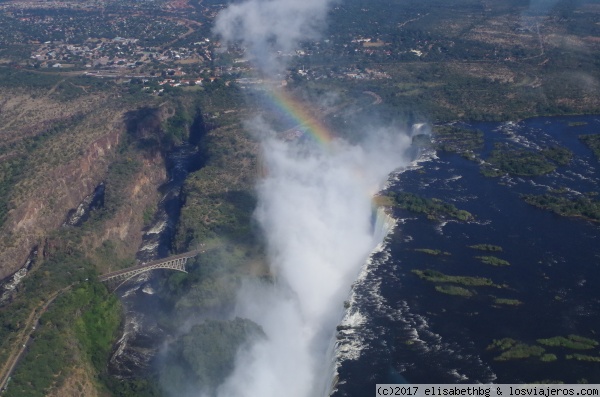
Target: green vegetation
89	314
136	387
507	302
216	216
148	215
435	209
524	162
512	349
120	174
450	138
219	200
578	206
11	78
455	71
454	290
593	142
520	351
502	344
78	329
434	252
570	342
548	357
492	260
486	247
67	269
439	277
517	162
583	357
10	172
97	326
22	156
177	126
560	155
75	26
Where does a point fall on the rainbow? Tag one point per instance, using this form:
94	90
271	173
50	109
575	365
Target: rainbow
301	115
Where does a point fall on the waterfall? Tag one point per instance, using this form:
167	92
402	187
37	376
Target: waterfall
340	348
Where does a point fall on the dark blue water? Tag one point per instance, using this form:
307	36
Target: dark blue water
415	334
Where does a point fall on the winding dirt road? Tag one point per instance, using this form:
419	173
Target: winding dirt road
23	339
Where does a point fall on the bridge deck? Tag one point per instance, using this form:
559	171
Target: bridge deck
188	255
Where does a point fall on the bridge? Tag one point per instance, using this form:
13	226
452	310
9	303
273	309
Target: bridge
176	262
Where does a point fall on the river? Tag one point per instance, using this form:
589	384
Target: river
411	333
142	336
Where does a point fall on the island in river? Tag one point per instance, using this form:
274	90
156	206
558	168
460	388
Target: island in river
114	105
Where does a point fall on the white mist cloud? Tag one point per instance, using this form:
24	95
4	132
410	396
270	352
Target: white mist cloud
316	211
267	26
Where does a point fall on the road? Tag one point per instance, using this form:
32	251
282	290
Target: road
23	339
24	336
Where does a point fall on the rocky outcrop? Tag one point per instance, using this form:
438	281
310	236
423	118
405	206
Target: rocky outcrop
80	383
44	198
124	229
45	206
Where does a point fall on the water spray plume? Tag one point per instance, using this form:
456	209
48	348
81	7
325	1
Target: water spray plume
266	28
315	206
316	211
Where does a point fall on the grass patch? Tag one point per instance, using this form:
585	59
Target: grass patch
88	314
492	260
517	162
507	302
433	252
486	247
575	342
435	209
502	344
548	357
593	142
558	154
454	290
580	206
454	139
439	277
520	351
583	357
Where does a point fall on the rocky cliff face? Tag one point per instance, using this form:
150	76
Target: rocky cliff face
124	229
42	200
47	204
79	384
